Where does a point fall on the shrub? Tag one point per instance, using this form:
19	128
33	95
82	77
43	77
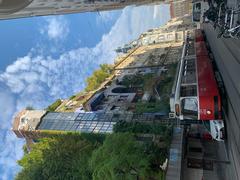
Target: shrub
54	106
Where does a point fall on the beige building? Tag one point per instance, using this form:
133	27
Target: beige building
113	98
27	8
179	8
143	60
149	54
173	31
26	122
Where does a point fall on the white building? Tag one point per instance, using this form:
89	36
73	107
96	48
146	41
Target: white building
26	8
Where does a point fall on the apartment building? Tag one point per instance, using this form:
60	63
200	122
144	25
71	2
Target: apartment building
28	8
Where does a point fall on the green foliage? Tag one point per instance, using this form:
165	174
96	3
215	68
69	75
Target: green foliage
88	136
132	80
136	80
152	107
25	150
165	85
72	97
54	106
120	157
32	162
140	127
98	77
92	156
61	157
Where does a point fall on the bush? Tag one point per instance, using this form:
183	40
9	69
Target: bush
136	80
72	97
140	127
148	107
120	157
54	106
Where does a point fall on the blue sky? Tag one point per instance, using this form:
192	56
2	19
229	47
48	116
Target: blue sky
19	36
46	58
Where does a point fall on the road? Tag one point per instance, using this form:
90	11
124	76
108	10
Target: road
227	55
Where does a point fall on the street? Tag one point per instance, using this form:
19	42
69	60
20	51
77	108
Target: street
227	56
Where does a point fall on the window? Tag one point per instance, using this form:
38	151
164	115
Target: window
189	64
24	120
169	36
123	98
161	37
179	36
189	72
190	90
189	107
190	48
115	108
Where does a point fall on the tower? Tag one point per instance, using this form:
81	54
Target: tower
26	122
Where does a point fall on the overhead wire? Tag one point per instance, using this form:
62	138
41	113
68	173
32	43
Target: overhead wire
104	25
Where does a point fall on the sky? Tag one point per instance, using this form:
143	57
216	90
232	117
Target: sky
46	58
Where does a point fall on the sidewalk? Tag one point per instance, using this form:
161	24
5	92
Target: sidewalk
175	159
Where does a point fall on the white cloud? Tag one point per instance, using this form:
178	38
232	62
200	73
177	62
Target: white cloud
10	146
57	28
38	80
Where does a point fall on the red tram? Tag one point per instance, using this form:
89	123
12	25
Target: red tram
196	95
208	93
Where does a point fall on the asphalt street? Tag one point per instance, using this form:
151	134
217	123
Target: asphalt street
227	56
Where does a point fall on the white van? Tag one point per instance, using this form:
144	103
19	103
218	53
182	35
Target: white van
199	8
217	129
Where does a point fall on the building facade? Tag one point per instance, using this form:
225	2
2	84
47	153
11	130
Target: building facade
173	31
27	8
179	8
33	124
133	86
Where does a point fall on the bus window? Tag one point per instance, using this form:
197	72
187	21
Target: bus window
197	12
189	107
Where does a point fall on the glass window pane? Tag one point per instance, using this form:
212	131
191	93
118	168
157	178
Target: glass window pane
189	107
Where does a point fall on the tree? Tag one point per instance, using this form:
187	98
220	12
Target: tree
62	157
54	105
106	68
120	157
91	156
98	77
32	162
